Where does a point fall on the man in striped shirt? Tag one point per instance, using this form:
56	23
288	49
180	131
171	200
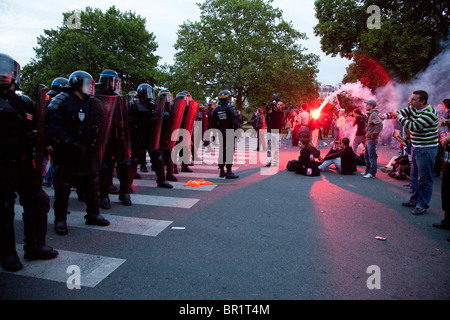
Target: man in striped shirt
422	120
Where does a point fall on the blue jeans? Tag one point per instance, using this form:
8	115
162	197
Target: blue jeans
370	155
422	168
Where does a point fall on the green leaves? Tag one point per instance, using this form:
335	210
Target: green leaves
409	37
111	40
244	44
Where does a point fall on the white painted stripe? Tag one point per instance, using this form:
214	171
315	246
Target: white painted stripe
149	200
191	175
144	183
93	268
121	224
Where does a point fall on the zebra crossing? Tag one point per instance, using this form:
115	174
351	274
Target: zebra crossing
95	268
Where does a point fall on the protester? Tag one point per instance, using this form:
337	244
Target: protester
360	121
374	127
422	120
342	156
306	163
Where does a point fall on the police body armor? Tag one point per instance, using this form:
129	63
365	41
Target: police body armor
121	130
156	121
190	115
96	132
173	124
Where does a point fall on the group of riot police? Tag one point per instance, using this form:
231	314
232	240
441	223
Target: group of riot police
90	132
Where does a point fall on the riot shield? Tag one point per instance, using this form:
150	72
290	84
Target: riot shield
173	124
41	105
122	131
192	114
156	123
97	132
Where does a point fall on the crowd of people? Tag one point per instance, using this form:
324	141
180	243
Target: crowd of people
85	131
423	155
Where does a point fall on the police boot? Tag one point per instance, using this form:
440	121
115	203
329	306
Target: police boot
9	259
93	216
230	175
105	203
124	173
34	251
171	177
185	168
35	229
222	172
125	198
62	193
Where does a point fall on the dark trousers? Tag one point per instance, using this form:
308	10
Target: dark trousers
65	176
22	178
445	192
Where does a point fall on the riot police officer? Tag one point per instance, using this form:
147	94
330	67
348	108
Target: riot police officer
69	118
146	122
17	122
47	162
118	144
166	129
225	117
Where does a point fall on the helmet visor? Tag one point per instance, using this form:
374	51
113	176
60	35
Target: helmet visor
88	87
9	70
113	84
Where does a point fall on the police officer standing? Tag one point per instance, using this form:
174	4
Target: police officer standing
109	85
225	117
47	161
144	127
68	119
17	121
167	151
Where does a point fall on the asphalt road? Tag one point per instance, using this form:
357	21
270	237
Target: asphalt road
265	236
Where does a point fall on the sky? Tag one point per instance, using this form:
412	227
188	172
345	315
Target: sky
24	20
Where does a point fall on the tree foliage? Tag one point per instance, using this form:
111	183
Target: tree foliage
245	46
409	38
111	40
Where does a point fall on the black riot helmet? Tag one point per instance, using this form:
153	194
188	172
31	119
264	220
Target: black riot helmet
185	95
145	92
57	85
110	80
132	96
168	94
9	72
82	82
224	97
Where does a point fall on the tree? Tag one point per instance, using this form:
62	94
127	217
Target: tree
409	37
246	46
110	40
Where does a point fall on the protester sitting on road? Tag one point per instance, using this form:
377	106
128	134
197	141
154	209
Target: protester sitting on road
342	157
306	163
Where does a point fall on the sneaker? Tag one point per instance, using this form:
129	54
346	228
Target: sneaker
418	211
369	176
364	173
409	204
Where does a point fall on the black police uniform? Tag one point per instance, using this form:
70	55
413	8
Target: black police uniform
140	113
225	117
18	174
123	169
67	115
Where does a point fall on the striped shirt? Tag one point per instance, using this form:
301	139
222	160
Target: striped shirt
423	125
